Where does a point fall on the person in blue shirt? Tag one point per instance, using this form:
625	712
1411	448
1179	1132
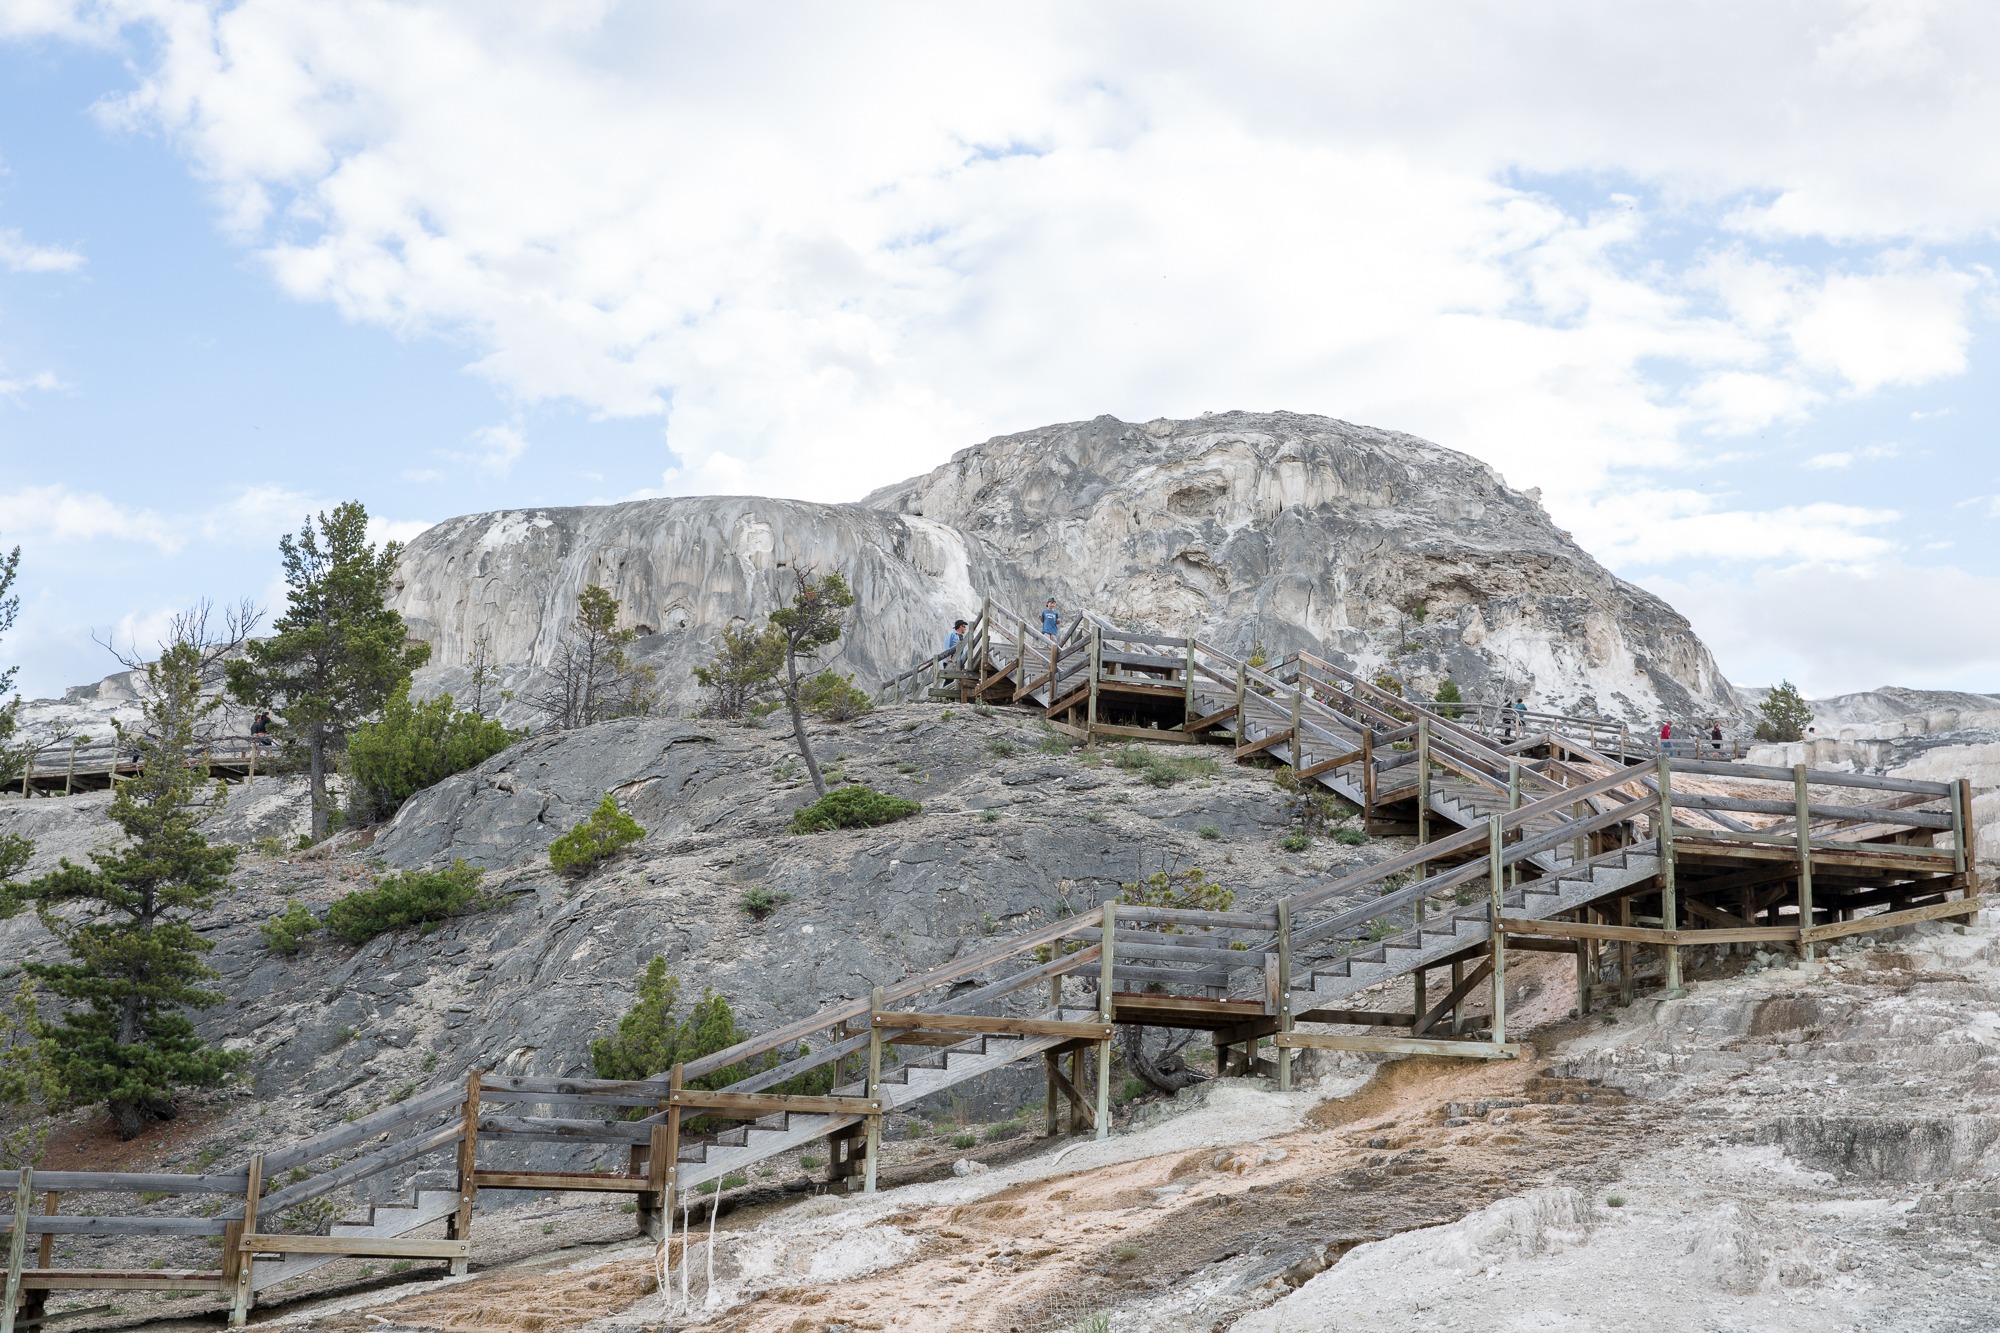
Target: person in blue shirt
953	639
1051	618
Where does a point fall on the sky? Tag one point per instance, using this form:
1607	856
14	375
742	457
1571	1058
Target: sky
1717	278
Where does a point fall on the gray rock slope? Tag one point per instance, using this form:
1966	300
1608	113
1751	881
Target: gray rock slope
1010	836
1376	549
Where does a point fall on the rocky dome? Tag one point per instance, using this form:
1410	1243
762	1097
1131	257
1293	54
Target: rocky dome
1375	549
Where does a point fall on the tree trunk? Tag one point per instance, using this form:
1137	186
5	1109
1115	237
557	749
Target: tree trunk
799	724
130	1119
316	767
1168	1073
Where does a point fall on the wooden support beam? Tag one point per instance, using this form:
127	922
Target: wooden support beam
1327	765
554	1181
359	1247
253	1193
1863	925
1006	1027
1495	843
1106	962
1669	889
740	1105
1581	930
1284	995
874	1088
468	1151
17	1247
1245	750
1213	719
1462	984
1803	818
1081	1113
1468	1050
1357	1017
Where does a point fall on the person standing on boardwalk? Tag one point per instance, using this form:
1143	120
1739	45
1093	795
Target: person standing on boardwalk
1051	618
1667	736
953	639
1521	716
1715	739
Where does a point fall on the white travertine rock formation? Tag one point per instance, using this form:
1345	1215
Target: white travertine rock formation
1371	548
1310	533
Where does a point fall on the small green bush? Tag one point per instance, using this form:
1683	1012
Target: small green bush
1160	770
1350	837
415	744
413	898
597	838
760	902
290	929
854	806
964	1140
834	697
1210	832
807	1162
1295	842
1002	749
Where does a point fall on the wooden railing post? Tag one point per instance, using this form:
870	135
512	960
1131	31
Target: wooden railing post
1967	837
1298	706
17	1246
1096	670
1423	778
1189	706
1513	804
1242	684
1670	904
665	1168
1108	947
1284	991
874	1145
468	1158
1367	771
1803	818
1495	854
1050	1068
253	1190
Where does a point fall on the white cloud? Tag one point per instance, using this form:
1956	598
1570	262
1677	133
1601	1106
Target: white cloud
1650	528
44	380
495	450
1844	458
59	514
842	243
17	256
1807	623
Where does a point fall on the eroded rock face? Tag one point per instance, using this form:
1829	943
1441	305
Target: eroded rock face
1297	531
1309	533
683	570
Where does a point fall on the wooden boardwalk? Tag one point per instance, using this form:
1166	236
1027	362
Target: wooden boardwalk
65	770
1552	840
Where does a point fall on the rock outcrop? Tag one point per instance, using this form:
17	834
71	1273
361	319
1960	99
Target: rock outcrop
1375	549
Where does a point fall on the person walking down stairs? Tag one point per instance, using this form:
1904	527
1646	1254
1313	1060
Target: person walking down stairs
1051	618
953	639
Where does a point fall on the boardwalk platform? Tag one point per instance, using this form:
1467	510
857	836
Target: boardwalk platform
1564	835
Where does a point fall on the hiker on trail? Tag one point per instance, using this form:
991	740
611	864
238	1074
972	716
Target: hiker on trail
1715	739
260	728
1506	721
1051	618
1521	716
953	639
1667	737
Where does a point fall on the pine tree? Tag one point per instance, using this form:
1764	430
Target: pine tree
655	1036
808	626
128	921
338	652
1448	698
591	677
744	672
1786	714
12	757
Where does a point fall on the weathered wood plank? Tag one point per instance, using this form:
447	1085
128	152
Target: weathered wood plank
1869	814
359	1247
561	1180
1814	776
1182	916
1863	925
1465	1050
769	1103
574	1131
120	1182
42	1225
994	1025
1582	930
447	1098
100	1279
363	1167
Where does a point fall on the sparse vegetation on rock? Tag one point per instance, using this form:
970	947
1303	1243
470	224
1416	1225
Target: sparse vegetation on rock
290	930
415	744
854	806
1786	714
597	838
591	678
414	898
338	652
128	921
